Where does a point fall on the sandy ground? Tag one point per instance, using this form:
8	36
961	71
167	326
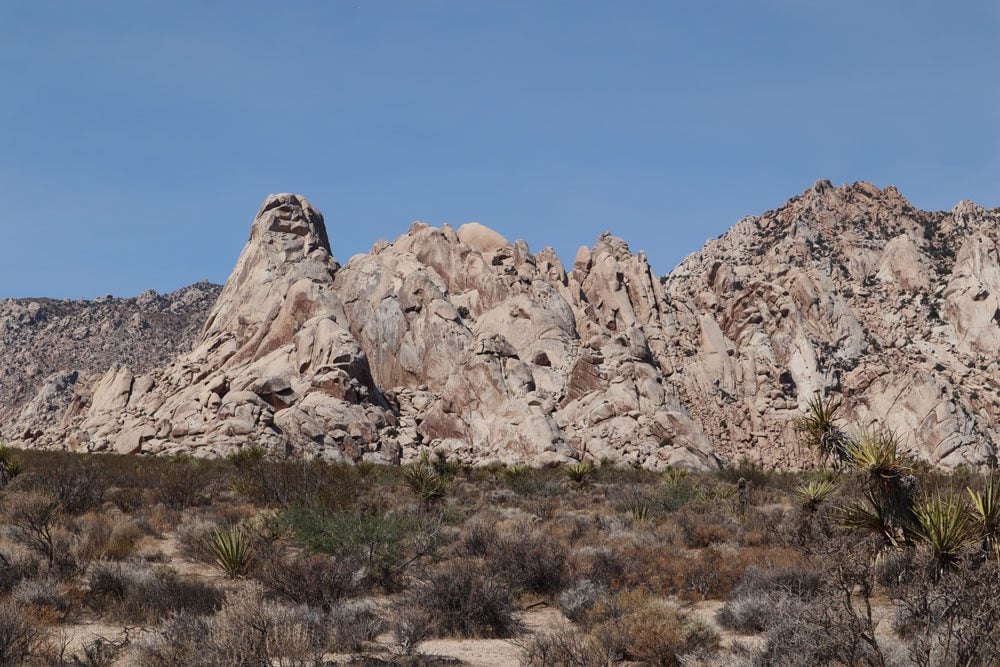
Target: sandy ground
495	652
473	652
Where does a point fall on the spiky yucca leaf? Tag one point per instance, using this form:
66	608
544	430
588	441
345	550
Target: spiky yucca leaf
675	474
639	509
815	493
516	470
233	550
580	473
425	482
10	461
818	428
943	525
877	453
873	515
986	516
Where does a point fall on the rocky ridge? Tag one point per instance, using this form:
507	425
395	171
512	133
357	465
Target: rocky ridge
847	291
49	347
460	340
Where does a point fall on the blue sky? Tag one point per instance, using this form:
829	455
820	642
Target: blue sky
138	138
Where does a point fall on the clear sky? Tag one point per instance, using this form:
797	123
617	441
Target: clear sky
138	138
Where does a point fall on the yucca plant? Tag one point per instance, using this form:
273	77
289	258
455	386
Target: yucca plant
516	470
10	462
985	513
425	482
233	550
876	453
818	429
581	473
442	466
887	471
943	525
672	475
815	493
639	509
873	515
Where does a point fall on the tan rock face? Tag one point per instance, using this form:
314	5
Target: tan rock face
444	339
495	354
52	349
276	365
464	341
849	291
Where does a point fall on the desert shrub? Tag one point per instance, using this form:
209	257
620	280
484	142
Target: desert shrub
706	574
893	568
410	626
107	537
98	652
630	627
184	482
836	625
754	474
529	560
182	639
17	565
703	529
465	598
820	631
45	597
577	600
760	526
794	580
316	580
527	481
600	565
749	613
674	493
949	617
19	637
194	534
73	482
563	648
274	481
139	593
33	519
248	631
384	543
354	623
477	538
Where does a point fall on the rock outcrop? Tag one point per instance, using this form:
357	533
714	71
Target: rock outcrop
275	366
463	341
49	347
847	291
444	339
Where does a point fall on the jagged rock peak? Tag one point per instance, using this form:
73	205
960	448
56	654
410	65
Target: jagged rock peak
288	254
291	214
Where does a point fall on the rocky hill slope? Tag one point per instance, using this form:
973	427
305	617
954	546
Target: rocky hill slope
849	291
462	340
48	346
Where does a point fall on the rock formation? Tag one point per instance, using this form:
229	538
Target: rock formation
848	291
463	341
50	348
